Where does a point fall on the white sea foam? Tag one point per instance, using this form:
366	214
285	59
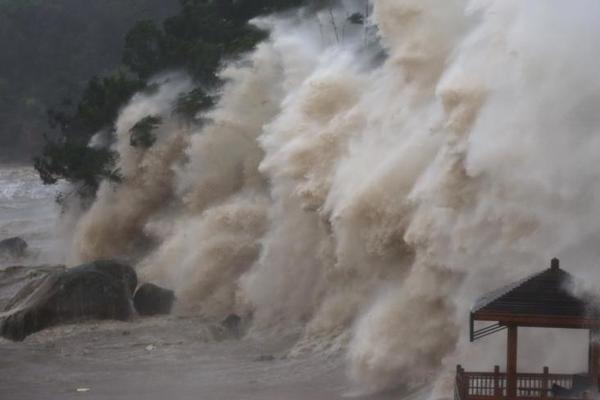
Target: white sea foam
28	210
23	183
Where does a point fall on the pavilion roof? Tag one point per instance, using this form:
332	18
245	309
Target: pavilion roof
544	299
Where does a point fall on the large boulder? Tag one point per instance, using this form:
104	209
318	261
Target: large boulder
13	247
99	290
121	273
14	278
150	299
233	325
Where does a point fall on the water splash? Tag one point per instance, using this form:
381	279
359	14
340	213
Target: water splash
365	204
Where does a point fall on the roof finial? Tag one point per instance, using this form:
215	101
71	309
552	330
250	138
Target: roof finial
555	264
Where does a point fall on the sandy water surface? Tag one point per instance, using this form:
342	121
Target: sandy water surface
156	358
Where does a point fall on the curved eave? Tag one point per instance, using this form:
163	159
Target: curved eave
539	321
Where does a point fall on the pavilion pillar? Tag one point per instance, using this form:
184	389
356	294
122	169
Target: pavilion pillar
511	363
594	354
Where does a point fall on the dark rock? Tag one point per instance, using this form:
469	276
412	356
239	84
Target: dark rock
122	273
13	247
233	323
99	290
150	299
15	278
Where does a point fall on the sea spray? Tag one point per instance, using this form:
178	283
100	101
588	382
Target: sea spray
114	225
363	201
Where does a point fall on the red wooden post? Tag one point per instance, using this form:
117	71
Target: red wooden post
497	390
466	383
545	383
461	383
594	366
511	363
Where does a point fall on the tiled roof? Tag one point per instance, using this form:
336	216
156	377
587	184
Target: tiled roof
547	293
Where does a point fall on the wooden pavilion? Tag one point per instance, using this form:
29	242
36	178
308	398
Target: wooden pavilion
543	300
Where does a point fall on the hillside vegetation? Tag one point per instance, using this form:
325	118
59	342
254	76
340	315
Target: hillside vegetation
197	40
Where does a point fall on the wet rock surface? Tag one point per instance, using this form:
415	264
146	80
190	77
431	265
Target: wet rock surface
150	299
14	247
233	323
99	290
15	278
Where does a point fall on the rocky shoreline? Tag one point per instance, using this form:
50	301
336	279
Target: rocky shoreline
147	354
155	357
39	298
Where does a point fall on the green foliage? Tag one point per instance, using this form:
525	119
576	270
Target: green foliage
71	158
244	10
143	48
188	105
76	163
102	100
198	39
142	133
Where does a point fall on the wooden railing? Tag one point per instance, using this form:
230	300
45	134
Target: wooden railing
492	385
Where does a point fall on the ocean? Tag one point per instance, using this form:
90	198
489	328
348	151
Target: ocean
28	210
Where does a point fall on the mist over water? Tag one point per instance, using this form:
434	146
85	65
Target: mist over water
28	210
363	202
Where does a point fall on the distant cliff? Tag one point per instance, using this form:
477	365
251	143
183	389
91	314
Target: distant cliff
49	51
